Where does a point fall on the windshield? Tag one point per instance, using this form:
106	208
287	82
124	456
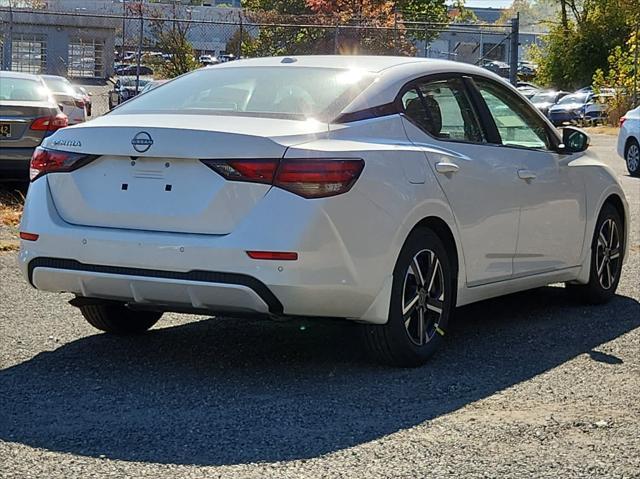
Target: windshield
275	92
574	98
22	89
544	97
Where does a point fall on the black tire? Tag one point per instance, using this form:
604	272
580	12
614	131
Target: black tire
602	284
632	150
394	343
116	318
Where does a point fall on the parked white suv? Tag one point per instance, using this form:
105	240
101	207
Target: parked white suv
381	190
629	140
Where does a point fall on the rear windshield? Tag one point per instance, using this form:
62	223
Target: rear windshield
59	85
297	93
22	89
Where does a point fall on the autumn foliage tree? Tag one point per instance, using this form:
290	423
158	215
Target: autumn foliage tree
340	26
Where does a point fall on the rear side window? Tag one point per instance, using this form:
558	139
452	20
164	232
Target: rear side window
22	89
443	110
517	122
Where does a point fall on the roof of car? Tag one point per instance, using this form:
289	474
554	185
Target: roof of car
52	77
26	76
362	62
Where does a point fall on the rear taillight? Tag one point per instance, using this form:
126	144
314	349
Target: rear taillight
318	178
622	120
50	123
254	171
46	161
309	178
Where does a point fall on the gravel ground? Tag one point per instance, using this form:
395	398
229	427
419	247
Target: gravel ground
531	385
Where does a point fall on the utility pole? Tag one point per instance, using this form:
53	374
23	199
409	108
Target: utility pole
124	16
515	42
636	65
140	39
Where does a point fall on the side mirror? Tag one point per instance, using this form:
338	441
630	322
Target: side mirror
574	140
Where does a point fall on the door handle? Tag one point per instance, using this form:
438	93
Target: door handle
526	175
445	167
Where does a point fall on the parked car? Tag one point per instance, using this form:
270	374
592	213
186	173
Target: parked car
208	60
629	141
500	68
153	84
382	190
28	113
132	70
545	99
527	69
595	111
527	89
227	57
570	109
70	102
124	89
86	96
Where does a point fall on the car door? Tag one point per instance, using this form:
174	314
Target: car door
551	192
478	179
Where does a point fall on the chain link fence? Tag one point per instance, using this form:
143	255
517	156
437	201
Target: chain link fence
81	42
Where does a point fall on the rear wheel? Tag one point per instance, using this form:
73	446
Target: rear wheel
607	248
421	302
116	318
632	157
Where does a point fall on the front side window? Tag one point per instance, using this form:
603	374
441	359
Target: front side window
518	124
443	109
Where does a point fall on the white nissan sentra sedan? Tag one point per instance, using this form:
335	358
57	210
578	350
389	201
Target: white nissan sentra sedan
380	190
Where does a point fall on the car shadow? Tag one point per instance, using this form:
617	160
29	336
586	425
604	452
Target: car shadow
224	391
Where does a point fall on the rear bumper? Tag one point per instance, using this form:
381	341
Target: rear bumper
213	272
196	290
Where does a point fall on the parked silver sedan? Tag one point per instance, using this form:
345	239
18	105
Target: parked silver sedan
28	114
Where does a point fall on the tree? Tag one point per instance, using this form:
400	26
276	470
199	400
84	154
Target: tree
171	36
622	78
581	43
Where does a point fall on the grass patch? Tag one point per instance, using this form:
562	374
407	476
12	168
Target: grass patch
9	245
11	207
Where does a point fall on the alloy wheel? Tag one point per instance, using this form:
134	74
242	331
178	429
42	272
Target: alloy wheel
423	297
608	254
633	157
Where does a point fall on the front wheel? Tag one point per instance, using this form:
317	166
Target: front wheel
422	298
607	248
116	318
632	157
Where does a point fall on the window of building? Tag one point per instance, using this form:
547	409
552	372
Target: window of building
85	58
28	53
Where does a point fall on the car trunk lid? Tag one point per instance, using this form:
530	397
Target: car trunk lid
148	174
16	119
